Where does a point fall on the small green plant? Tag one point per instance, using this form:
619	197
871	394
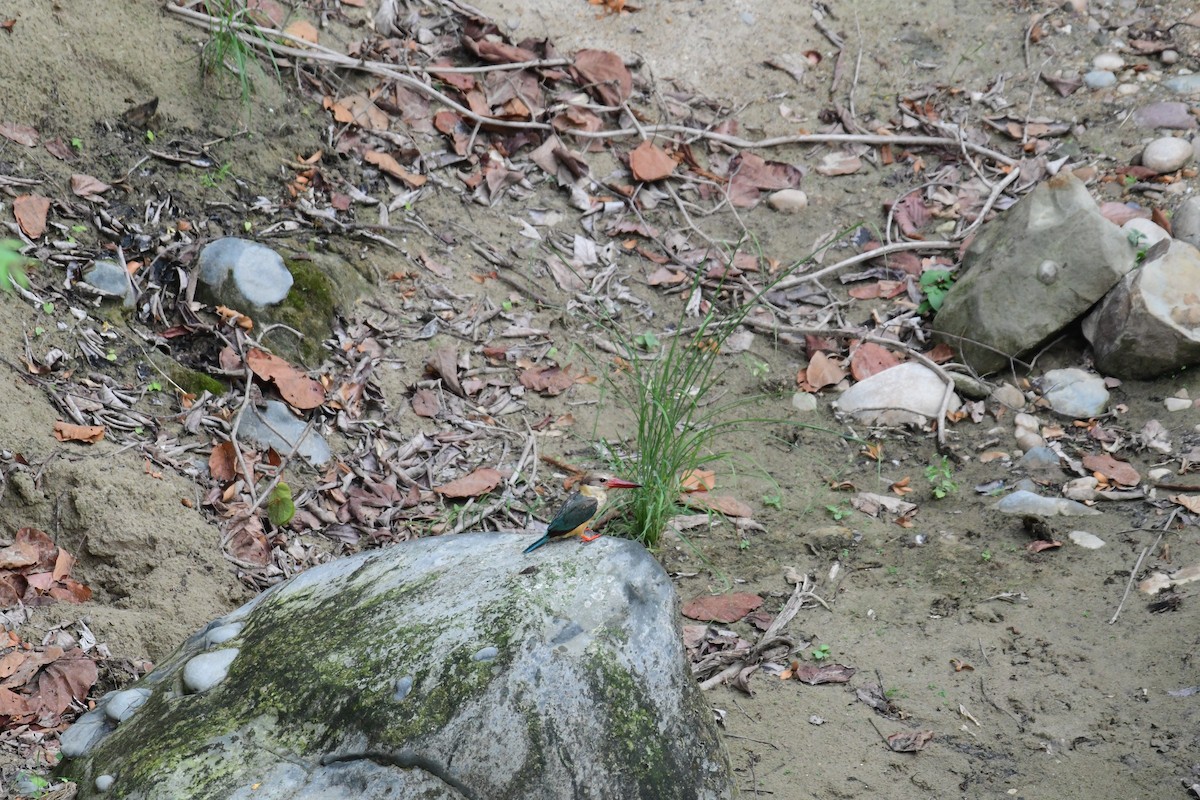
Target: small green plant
759	369
744	544
151	136
986	555
935	283
12	265
646	341
229	45
773	499
154	386
1141	242
941	478
819	653
280	507
838	511
213	179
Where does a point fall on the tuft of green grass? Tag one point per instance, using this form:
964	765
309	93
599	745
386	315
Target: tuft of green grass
228	46
675	422
941	478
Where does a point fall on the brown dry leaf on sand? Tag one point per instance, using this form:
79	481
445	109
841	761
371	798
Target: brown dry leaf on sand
87	187
479	482
909	741
68	432
393	167
649	162
30	211
299	390
21	134
222	462
816	674
604	75
722	607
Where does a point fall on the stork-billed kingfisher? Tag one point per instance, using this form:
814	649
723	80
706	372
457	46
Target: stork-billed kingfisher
580	509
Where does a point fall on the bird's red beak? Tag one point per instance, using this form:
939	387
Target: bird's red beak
619	483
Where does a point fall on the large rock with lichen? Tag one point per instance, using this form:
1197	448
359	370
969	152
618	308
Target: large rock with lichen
452	667
1031	273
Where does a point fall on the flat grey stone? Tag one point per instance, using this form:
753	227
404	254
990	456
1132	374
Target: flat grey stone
906	394
236	269
276	426
1074	392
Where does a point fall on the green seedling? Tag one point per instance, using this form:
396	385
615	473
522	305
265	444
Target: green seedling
935	283
820	653
986	555
212	179
77	143
280	507
941	478
774	500
759	369
838	512
646	341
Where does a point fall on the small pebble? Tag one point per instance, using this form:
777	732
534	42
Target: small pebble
1185	224
1127	89
104	783
803	401
1167	154
1177	403
1084	539
1159	474
1169	56
1108	61
789	201
1099	79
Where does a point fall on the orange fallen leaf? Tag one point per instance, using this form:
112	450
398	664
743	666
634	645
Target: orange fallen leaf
721	608
222	462
477	483
393	167
87	187
67	432
649	162
302	29
698	480
724	504
30	211
357	109
299	390
824	370
870	358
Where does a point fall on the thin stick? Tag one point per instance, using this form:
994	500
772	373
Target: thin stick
1134	572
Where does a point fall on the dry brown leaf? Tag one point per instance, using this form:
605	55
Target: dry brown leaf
87	187
393	167
67	432
479	482
724	504
824	370
839	163
1189	501
426	403
1121	472
21	134
357	109
299	390
698	480
549	381
603	74
816	674
648	162
909	741
304	30
664	276
869	358
222	462
30	211
721	608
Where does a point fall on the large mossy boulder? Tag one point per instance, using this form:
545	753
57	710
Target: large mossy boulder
451	667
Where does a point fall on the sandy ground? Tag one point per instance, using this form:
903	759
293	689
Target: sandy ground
1057	703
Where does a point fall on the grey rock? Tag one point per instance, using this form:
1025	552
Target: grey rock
1004	303
1099	79
1074	392
906	394
237	269
1172	115
110	278
1185	224
1086	539
276	426
1009	396
1150	324
589	694
1039	458
1025	503
1108	61
1167	154
1184	84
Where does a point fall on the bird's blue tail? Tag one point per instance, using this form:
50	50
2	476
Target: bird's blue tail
537	544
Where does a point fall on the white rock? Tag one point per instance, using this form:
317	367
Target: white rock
1084	539
1177	403
204	671
804	401
1081	489
1027	440
1151	234
906	394
1127	89
1075	393
1008	395
1027	503
1099	79
1169	56
1159	474
1108	61
1167	154
789	201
